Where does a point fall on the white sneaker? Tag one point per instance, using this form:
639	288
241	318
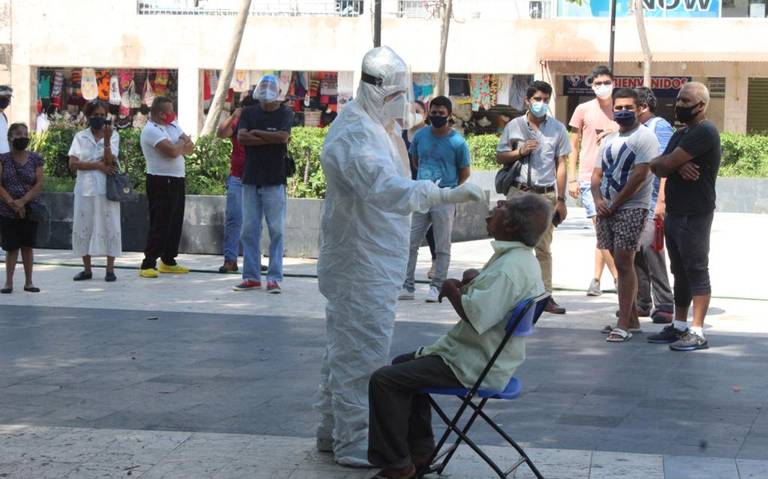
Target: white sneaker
432	295
405	294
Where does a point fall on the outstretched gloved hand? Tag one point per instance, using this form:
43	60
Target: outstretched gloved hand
462	193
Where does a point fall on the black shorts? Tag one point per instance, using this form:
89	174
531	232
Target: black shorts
17	233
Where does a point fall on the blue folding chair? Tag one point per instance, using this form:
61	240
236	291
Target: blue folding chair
520	322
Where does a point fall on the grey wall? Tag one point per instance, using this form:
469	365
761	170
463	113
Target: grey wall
204	224
734	195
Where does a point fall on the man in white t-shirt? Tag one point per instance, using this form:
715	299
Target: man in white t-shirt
621	188
5	99
163	144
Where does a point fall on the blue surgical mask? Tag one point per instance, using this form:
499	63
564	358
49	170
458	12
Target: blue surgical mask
624	117
539	109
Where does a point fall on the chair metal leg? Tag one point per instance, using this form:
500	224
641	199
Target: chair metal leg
509	439
464	432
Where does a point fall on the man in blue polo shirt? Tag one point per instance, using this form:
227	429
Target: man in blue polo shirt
441	155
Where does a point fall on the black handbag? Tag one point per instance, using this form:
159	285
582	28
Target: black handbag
119	187
510	173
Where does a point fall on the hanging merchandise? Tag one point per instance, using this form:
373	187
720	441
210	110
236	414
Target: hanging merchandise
74	91
423	86
490	100
149	95
284	83
102	78
346	82
329	85
480	90
44	85
505	89
114	90
58	84
88	86
207	92
214	79
124	77
134	99
519	86
160	85
240	81
139	120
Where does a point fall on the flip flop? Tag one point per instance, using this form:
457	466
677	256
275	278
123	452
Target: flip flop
608	328
618	335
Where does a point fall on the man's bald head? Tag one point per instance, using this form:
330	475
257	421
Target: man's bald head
697	91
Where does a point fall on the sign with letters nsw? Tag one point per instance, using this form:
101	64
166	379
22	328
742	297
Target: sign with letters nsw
653	8
662	86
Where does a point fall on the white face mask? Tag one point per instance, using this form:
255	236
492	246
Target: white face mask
418	119
603	91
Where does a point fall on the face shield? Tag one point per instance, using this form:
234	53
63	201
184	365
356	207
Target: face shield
267	90
385	91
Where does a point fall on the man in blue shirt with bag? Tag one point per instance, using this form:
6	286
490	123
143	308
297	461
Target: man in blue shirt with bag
441	155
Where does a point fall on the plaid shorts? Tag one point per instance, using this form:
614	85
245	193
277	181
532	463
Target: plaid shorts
622	230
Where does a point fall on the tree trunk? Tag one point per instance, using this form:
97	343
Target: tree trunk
212	120
446	8
647	55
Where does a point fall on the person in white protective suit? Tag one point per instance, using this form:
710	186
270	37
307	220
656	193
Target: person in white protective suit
365	234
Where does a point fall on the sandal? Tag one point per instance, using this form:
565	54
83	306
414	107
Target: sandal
31	289
618	335
82	276
6	290
608	328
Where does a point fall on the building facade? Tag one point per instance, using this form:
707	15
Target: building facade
718	42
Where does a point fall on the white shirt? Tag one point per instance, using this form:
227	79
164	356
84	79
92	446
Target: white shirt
42	123
157	163
86	149
4	146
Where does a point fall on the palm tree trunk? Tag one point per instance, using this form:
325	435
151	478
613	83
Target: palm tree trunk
212	120
647	55
447	11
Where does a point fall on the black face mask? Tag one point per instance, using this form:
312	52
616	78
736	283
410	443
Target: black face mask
97	122
684	114
4	101
438	121
20	144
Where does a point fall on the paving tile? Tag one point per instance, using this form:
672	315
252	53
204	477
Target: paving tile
611	465
749	469
686	467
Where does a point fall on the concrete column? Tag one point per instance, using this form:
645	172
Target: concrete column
24	84
190	99
736	95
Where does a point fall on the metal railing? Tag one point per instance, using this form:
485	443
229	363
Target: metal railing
471	9
344	8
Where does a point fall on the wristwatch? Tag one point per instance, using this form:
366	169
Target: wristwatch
561	198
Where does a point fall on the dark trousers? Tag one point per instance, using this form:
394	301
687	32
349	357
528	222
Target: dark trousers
166	217
688	246
400	425
652	279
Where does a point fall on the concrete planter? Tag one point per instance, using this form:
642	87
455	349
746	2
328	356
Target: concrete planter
204	224
734	195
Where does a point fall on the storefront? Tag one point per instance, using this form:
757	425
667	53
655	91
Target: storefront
62	93
315	97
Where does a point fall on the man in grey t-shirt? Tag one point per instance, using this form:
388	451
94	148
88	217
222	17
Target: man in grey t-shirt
541	143
622	187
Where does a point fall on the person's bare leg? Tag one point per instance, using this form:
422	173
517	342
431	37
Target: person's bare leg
608	259
27	256
625	264
599	259
700	307
110	264
87	264
634	319
11	258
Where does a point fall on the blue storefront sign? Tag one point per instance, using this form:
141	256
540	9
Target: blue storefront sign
576	85
653	8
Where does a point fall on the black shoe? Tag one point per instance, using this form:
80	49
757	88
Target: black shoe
6	291
553	308
82	276
110	277
668	335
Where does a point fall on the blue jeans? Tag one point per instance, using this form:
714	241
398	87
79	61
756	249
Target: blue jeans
266	202
234	218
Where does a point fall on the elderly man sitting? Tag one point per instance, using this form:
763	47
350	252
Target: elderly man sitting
400	437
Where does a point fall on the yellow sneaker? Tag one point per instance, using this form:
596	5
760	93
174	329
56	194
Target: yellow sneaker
148	273
175	269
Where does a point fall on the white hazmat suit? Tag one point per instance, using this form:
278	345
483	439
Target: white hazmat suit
365	235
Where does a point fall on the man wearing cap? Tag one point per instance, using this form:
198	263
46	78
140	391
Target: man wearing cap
264	130
5	99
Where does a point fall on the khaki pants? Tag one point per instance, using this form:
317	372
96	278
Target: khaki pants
543	247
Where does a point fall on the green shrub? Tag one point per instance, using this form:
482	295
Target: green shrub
55	184
483	151
53	144
744	155
305	148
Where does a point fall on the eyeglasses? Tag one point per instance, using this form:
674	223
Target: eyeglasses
600	83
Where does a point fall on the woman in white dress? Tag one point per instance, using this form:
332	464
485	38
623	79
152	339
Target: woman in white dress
96	220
